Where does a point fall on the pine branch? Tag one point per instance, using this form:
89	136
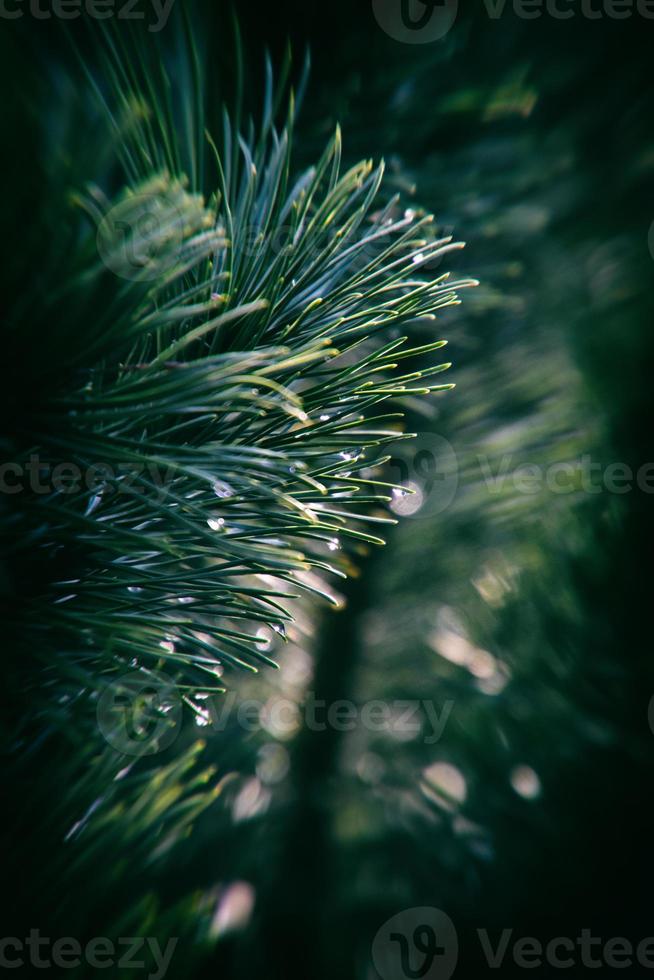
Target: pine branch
224	361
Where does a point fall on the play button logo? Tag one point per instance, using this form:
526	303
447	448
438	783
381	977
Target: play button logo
415	21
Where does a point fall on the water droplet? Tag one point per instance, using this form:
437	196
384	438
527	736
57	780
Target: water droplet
525	782
216	523
148	523
222	489
279	628
264	639
185	600
448	779
134	589
273	763
93	504
418	257
325	418
334	544
347	456
168	646
234	909
407	500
